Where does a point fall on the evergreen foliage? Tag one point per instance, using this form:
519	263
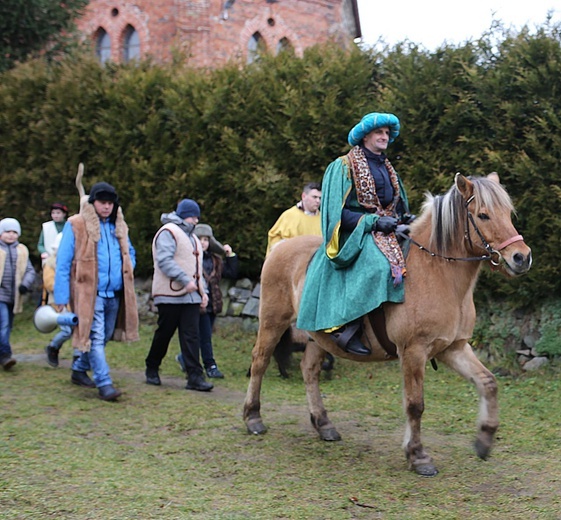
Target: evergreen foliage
243	141
31	27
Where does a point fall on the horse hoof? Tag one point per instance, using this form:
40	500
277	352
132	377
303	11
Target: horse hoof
482	449
330	434
256	428
425	470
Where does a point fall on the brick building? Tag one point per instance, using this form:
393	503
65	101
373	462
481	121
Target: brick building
211	32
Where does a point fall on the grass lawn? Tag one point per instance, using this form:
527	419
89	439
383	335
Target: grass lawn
165	452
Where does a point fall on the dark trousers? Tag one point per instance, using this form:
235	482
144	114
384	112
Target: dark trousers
206	322
185	319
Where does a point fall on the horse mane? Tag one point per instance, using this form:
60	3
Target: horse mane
448	212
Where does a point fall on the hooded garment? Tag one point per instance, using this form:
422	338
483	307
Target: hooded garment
77	272
178	259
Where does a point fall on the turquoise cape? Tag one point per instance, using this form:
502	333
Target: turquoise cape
348	276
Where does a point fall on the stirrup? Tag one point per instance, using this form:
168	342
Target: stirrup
343	335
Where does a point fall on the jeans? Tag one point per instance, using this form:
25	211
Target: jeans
103	326
206	322
171	317
63	335
6	324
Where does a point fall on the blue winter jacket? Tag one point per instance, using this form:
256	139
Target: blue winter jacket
109	262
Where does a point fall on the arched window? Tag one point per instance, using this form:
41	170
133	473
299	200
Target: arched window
131	44
255	47
284	45
103	45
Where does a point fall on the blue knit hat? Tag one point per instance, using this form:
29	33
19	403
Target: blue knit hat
370	122
188	208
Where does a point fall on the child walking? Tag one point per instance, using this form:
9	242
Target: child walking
65	333
16	279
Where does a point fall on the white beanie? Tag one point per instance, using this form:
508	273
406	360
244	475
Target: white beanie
10	224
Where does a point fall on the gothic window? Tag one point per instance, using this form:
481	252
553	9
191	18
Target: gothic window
131	44
103	45
255	47
284	45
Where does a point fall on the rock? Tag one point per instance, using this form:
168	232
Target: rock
250	325
256	293
251	308
244	283
225	306
531	339
235	309
535	364
239	294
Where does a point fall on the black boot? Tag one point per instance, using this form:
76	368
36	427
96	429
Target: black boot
197	382
348	338
81	379
52	356
108	393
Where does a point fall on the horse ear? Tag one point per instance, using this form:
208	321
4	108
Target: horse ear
494	176
464	185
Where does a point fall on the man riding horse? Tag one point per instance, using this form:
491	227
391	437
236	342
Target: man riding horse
363	202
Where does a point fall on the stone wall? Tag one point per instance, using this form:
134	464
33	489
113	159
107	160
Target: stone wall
241	303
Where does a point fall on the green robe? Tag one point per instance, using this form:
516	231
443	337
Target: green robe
348	276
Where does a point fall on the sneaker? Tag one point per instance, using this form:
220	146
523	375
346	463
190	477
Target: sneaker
152	377
198	383
52	355
81	379
179	359
213	372
8	362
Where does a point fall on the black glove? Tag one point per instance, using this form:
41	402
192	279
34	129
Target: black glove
23	289
386	224
407	218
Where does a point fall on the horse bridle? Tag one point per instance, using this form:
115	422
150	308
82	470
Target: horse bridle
493	255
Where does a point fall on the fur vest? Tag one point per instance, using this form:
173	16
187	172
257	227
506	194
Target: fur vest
21	266
84	277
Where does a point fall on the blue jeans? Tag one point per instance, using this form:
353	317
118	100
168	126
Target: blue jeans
206	322
103	326
6	324
64	334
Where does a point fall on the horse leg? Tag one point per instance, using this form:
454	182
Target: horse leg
311	368
463	360
413	369
267	339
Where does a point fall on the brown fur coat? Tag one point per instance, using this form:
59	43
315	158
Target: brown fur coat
83	278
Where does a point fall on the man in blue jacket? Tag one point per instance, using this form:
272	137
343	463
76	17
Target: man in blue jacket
95	275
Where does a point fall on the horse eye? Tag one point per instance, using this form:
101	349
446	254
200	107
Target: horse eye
483	216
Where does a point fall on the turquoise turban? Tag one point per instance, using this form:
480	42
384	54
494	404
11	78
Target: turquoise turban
370	122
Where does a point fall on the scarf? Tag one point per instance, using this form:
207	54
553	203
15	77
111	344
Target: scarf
368	198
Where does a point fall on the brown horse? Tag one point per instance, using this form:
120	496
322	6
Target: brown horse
455	233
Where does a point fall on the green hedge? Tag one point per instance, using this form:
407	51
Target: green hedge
243	141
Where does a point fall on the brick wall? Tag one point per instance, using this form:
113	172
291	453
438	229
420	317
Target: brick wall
210	35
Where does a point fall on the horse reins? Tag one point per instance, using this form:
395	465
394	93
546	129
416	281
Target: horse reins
488	248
